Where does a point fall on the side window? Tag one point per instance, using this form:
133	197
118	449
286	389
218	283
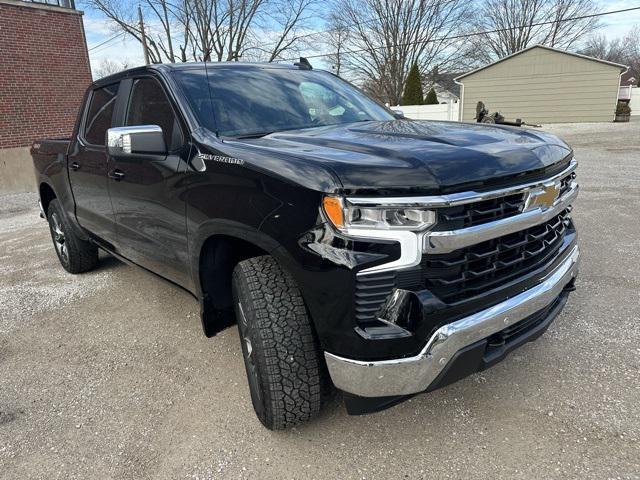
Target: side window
98	118
149	105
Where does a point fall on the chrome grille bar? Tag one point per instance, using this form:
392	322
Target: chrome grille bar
445	242
461	198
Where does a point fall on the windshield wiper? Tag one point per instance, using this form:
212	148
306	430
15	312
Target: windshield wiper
245	136
254	135
269	132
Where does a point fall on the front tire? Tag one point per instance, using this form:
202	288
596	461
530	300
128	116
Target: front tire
281	355
75	255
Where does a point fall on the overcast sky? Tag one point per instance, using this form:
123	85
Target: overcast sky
123	49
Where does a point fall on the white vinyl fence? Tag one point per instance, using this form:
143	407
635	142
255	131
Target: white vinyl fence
443	111
635	101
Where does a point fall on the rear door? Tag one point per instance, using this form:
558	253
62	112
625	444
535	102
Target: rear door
145	191
87	164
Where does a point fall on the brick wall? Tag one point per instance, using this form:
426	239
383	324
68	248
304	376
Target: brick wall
44	71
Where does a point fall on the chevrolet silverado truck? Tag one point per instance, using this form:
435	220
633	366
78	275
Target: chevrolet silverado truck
354	249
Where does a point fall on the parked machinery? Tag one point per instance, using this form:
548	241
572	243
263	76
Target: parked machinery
483	116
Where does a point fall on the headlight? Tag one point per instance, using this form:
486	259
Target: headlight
346	217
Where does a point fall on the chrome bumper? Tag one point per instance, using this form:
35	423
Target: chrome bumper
404	376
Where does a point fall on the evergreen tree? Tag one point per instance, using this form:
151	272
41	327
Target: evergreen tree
413	88
432	98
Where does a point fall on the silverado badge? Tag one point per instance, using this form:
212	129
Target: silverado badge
221	159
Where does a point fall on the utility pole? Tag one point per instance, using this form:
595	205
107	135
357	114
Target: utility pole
144	37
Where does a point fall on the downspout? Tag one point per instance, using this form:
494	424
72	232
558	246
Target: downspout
461	108
622	72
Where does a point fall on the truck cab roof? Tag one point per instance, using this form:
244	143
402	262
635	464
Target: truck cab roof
172	67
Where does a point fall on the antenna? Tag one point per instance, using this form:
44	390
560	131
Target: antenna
304	64
206	73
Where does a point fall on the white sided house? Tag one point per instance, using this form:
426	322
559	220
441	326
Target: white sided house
544	85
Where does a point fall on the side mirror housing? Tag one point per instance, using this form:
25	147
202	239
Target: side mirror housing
398	114
137	139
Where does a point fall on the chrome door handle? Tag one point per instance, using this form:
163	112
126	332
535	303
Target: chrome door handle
75	166
116	175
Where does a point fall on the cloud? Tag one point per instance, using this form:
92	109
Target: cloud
97	29
617	24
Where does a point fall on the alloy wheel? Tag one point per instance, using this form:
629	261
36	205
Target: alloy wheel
59	238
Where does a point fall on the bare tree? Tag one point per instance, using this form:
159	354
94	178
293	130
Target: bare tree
625	50
161	9
507	26
159	24
196	18
599	46
233	26
291	20
182	30
631	43
387	36
338	35
109	67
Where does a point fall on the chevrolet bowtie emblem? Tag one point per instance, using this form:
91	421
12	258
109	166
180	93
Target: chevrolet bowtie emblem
543	197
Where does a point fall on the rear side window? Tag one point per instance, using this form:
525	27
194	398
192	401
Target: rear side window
100	113
149	105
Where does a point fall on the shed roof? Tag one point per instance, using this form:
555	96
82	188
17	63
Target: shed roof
584	57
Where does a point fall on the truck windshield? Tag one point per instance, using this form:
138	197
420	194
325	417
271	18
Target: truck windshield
252	102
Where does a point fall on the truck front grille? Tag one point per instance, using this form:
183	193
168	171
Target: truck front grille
490	267
484	211
465	273
477	213
473	270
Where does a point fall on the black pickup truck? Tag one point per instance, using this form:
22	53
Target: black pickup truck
380	255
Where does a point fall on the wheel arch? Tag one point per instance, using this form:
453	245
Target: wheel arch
47	194
219	246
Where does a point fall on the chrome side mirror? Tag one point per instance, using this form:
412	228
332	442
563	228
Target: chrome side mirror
137	139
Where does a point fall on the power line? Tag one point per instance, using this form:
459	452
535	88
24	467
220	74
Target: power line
322	32
465	35
109	40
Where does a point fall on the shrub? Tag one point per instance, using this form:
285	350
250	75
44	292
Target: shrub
413	88
432	97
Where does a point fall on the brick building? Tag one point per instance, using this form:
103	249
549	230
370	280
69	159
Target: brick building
44	71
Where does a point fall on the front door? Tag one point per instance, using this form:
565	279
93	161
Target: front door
87	165
150	213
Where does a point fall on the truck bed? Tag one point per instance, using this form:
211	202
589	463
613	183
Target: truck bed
48	150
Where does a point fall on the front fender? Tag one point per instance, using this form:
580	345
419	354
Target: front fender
228	228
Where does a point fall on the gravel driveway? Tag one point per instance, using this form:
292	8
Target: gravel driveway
108	375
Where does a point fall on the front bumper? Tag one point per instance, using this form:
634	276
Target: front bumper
410	375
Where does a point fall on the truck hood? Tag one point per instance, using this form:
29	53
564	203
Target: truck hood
417	156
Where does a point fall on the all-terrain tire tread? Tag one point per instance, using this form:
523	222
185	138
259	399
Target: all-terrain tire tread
287	353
